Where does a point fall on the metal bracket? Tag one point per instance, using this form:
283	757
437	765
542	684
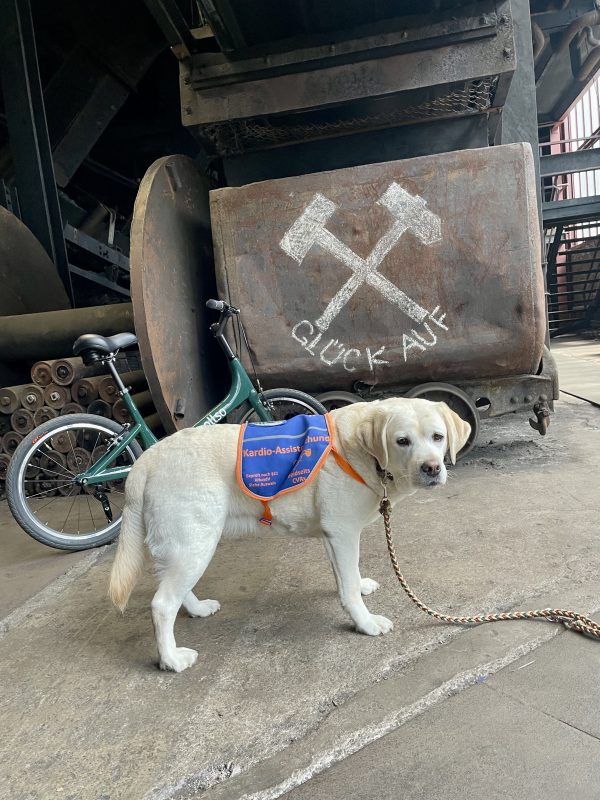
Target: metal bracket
542	421
100	495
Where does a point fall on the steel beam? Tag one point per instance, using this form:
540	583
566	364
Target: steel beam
558	20
79	111
221	18
566	212
7	198
344	83
100	279
214	69
566	163
99	249
172	23
519	117
28	133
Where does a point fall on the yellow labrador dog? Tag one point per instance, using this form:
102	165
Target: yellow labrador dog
182	496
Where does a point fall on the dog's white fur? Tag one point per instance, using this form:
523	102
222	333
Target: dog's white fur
182	496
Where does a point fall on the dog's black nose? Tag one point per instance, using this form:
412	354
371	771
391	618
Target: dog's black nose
431	468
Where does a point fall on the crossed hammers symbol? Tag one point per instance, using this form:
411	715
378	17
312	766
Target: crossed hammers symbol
410	213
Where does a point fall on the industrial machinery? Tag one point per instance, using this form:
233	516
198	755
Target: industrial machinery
277	103
359	299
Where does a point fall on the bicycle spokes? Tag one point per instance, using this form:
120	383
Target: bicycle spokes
51	492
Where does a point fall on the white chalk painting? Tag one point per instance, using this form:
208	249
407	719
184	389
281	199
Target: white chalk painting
410	213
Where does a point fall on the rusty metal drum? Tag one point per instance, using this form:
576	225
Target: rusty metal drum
389	274
172	276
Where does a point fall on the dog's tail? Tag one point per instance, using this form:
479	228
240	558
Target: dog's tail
129	558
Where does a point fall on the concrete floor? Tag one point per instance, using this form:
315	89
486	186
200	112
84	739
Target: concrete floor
578	362
286	699
511	735
26	566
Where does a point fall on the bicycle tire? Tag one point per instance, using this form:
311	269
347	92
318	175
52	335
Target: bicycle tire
16	479
245	412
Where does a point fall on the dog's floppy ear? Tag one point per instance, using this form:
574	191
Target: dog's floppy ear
372	435
457	429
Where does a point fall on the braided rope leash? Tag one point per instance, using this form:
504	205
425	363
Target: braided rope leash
570	619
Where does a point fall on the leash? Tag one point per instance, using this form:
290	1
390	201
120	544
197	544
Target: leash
570	619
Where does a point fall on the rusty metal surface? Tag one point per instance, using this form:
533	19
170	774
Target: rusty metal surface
22	421
10	399
50	334
32	397
41	373
44	414
389	274
385	34
56	397
85	390
172	276
28	277
66	370
403	69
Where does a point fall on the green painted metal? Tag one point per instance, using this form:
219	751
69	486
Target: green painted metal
241	390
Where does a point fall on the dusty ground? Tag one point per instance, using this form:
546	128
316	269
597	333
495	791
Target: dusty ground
284	690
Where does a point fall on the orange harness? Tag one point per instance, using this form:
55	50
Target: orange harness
341	462
267	516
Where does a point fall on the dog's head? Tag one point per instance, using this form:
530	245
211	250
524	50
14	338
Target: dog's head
410	437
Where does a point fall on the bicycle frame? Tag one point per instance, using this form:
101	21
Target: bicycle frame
241	389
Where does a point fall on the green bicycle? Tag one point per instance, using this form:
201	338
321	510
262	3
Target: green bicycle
65	482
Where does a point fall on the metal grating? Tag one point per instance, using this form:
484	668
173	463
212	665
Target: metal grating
573	250
237	136
577	130
574	279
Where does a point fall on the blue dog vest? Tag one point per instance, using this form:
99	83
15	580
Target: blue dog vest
279	457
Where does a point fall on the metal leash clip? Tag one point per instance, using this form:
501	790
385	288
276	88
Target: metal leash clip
385	506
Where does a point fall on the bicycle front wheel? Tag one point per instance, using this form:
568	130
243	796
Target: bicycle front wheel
283	404
40	483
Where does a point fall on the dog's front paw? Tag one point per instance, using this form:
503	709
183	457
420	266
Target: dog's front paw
204	608
368	586
375	625
181	658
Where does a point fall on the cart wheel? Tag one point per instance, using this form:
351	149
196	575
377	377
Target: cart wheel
457	400
333	400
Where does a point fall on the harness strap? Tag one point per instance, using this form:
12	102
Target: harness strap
343	464
267	517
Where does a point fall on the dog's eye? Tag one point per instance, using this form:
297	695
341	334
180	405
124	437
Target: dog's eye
438	437
403	442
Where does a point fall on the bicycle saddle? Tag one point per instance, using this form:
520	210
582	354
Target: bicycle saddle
93	342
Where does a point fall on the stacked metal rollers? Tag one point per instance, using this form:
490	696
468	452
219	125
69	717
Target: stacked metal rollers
66	386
